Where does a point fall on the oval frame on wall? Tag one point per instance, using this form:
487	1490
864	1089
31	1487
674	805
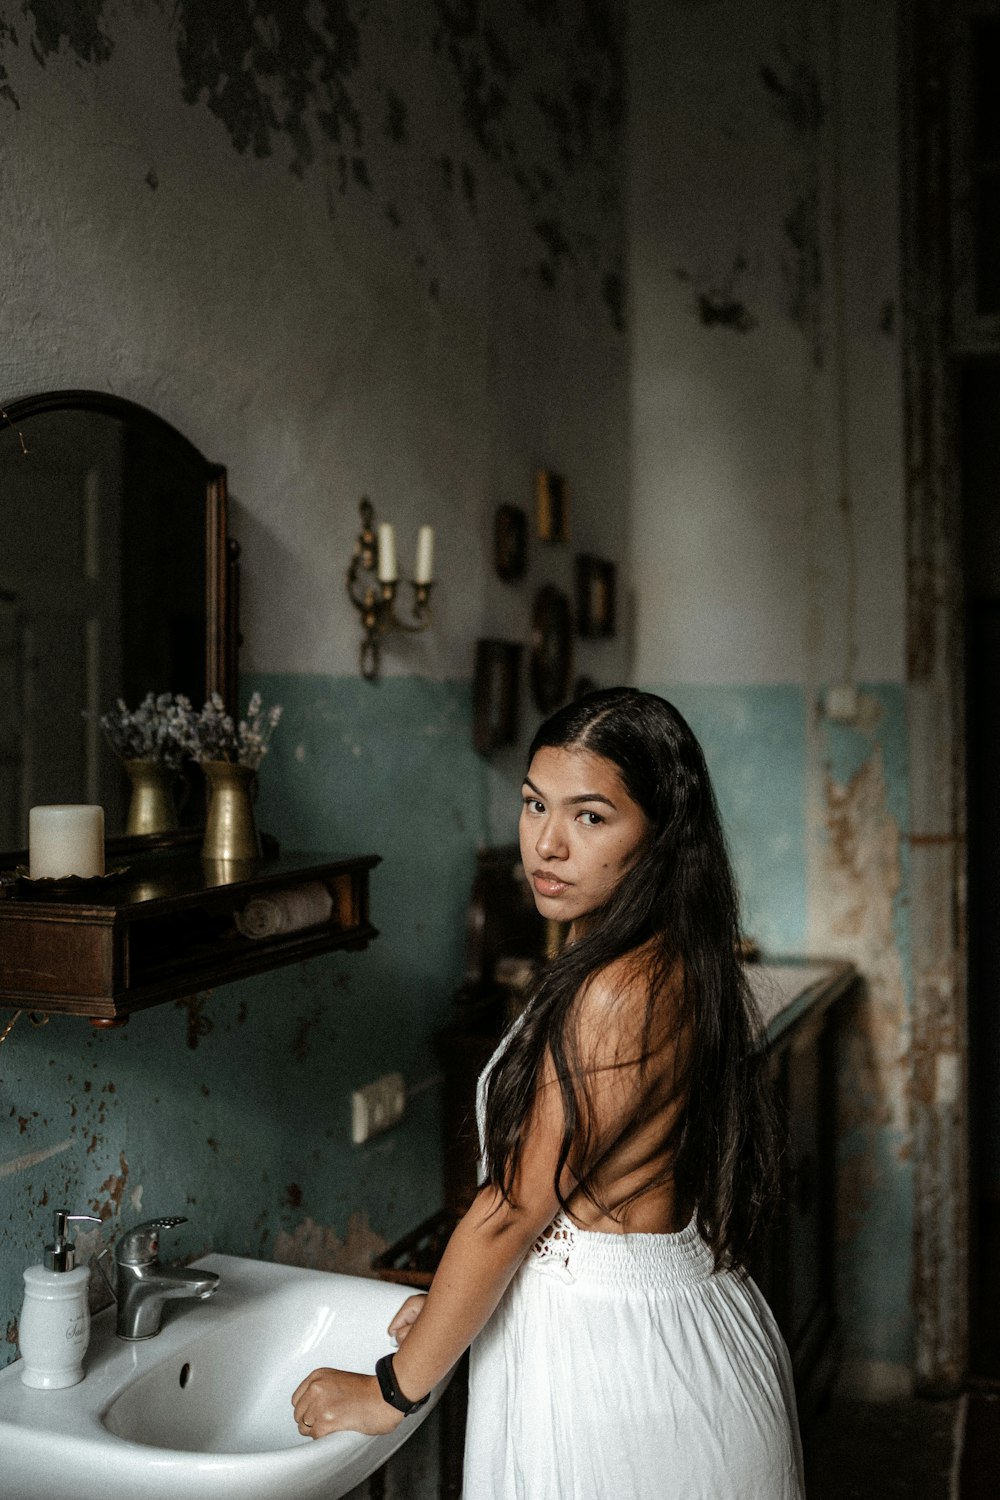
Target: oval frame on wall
551	663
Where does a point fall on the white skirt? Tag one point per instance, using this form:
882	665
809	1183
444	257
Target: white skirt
621	1366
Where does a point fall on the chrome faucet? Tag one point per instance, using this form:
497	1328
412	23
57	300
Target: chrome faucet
143	1285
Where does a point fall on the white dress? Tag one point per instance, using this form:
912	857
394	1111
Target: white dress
621	1367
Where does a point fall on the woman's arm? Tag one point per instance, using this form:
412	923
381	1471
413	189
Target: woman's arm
481	1257
479	1261
494	1236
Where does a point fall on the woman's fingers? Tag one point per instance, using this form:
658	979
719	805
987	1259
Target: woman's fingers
340	1400
301	1397
317	1402
406	1317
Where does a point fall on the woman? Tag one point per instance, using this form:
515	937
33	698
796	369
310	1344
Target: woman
618	1345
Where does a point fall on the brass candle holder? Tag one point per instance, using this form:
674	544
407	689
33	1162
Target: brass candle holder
372	587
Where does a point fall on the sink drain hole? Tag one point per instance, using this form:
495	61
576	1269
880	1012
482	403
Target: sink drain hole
185	1375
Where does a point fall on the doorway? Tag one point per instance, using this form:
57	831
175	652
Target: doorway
979	426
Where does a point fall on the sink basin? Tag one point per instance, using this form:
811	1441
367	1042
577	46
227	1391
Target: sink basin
203	1410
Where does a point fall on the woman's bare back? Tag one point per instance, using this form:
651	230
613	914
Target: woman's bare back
638	1082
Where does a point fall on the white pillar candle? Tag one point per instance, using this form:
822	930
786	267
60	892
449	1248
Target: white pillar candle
65	839
423	571
387	570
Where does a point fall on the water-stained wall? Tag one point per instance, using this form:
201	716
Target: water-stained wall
346	250
383	251
768	527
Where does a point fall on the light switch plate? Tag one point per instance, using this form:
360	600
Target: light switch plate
377	1107
842	703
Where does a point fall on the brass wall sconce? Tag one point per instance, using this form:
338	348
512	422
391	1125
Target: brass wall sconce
374	597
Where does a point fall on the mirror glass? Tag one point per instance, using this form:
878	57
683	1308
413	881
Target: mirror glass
113	569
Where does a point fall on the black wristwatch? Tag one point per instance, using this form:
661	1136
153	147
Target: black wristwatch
386	1377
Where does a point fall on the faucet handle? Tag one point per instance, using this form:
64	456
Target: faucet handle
141	1245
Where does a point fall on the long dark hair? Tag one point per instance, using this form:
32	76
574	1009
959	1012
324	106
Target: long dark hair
677	902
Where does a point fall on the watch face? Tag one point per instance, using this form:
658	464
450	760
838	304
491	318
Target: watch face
551	648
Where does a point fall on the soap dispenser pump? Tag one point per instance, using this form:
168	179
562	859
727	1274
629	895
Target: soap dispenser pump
54	1329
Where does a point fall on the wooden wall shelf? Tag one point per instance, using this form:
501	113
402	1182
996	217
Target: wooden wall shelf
164	930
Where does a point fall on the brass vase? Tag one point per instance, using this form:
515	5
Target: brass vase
151	808
230	827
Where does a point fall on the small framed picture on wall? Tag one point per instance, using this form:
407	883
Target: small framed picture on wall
510	542
551	506
595	596
551	659
495	694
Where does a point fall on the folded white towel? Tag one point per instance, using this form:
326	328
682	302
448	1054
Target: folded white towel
285	911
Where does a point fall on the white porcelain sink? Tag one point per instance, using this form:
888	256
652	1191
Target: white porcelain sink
203	1410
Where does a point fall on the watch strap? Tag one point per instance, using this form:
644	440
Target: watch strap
386	1377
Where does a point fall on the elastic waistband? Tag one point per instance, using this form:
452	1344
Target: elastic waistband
635	1260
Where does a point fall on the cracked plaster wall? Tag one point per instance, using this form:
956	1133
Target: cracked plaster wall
402	273
768	525
347	250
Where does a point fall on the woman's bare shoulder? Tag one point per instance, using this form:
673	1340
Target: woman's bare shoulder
629	978
613	1007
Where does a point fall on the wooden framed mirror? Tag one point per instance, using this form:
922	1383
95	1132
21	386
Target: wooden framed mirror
117	578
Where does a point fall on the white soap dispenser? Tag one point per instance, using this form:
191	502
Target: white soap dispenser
55	1320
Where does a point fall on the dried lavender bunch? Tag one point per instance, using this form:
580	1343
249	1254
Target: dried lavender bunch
213	735
148	732
255	731
208	733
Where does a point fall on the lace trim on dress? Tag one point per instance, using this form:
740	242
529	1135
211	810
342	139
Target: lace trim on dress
552	1250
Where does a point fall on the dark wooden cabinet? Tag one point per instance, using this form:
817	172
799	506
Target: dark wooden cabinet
796	1266
166	928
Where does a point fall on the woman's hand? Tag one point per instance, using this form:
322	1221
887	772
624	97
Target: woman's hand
406	1317
340	1401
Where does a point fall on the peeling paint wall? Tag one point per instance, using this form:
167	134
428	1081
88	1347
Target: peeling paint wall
768	528
931	37
382	251
234	1107
347	250
861	892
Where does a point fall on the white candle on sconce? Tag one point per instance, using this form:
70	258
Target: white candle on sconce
65	839
423	571
387	569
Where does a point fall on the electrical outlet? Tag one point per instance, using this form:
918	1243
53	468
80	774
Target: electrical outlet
377	1107
841	704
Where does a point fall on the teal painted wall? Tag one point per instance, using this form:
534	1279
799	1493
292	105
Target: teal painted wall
754	739
817	817
235	1109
